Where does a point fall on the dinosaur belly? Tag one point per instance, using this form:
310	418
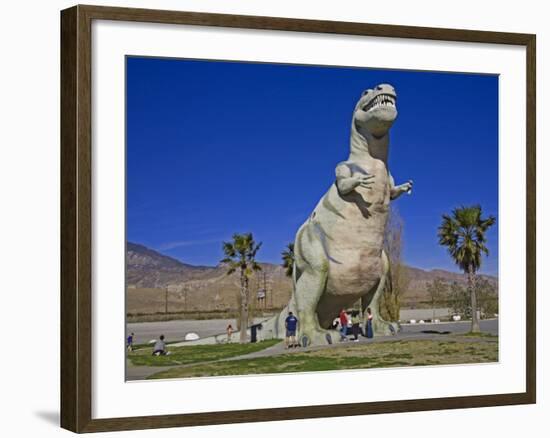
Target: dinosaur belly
356	272
353	236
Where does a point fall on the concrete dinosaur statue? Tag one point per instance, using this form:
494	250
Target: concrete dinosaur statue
339	255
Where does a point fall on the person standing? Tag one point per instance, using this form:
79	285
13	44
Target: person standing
130	342
291	323
349	315
355	321
229	332
343	325
370	333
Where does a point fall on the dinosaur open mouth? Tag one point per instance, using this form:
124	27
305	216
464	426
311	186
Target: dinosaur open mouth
382	100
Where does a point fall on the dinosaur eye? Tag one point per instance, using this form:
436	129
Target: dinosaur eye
366	92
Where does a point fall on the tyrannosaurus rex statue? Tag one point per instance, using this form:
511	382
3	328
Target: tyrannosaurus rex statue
339	255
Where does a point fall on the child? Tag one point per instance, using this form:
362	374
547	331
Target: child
160	347
229	332
130	342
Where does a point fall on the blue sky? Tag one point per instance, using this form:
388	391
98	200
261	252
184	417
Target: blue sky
215	148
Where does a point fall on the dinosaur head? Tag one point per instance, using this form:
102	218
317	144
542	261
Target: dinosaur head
376	110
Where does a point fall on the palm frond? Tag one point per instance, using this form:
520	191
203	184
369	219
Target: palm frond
240	254
288	259
464	234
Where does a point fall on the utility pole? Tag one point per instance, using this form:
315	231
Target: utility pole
185	298
166	300
271	296
265	291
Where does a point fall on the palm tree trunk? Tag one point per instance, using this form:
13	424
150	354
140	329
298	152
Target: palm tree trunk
473	299
244	309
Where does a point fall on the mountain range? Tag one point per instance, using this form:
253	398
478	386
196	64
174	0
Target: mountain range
155	281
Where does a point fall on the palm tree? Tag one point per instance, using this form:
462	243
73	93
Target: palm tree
240	255
288	259
463	233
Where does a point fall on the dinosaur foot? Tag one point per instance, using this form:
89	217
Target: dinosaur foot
385	328
318	337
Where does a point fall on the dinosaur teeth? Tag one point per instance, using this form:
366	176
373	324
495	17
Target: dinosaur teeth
380	100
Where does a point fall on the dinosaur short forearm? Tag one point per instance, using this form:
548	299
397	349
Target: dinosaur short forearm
346	185
395	193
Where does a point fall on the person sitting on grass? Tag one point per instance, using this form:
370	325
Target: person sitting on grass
160	347
291	323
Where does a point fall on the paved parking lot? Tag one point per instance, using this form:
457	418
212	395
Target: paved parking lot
176	330
487	325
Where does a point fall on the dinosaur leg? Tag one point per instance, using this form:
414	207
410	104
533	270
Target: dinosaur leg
310	280
309	289
275	327
380	327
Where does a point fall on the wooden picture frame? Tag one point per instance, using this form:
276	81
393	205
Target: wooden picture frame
76	217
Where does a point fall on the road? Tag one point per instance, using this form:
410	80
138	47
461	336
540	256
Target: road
486	325
176	330
418	314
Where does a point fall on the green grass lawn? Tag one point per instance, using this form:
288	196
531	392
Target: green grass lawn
479	335
195	353
456	350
